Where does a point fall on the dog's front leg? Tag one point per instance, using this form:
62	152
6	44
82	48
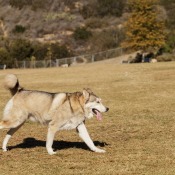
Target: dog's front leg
50	138
83	133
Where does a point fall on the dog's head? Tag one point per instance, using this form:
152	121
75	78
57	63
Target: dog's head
93	105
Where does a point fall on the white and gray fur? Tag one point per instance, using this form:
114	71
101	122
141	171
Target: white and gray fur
59	111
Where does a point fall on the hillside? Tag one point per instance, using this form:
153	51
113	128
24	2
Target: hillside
45	24
62	28
55	21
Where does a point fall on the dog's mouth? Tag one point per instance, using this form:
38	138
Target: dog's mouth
97	113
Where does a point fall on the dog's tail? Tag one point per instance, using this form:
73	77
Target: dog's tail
11	83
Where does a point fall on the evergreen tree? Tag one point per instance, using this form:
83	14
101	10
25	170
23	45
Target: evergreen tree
143	28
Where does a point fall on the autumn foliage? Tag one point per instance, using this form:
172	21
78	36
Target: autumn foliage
144	30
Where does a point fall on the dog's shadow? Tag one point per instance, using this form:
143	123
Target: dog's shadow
57	145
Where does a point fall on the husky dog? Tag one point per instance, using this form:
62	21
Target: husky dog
57	110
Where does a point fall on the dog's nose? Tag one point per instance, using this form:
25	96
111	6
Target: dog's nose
107	109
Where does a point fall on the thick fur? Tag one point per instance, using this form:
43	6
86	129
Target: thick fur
57	110
11	83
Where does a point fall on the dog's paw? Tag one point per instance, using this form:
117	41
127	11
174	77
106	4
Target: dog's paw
98	150
52	152
4	149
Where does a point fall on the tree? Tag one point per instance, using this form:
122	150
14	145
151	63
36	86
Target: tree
82	33
40	50
59	51
21	49
143	28
5	57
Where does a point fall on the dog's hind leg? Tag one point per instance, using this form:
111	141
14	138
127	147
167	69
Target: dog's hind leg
8	136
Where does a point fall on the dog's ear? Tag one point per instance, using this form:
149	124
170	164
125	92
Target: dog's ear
89	90
86	94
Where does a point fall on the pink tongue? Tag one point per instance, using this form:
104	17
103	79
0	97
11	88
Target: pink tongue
99	116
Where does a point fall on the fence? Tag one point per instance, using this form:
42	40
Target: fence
70	61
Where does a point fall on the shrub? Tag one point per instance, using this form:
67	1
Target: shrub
106	39
58	51
40	51
70	3
165	57
103	8
89	10
81	33
19	29
21	49
170	8
5	57
17	3
95	23
110	7
171	40
35	4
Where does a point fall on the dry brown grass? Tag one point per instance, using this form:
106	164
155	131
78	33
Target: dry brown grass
138	132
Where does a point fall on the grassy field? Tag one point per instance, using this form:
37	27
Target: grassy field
138	132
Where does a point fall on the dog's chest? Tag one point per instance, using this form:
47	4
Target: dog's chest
72	123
